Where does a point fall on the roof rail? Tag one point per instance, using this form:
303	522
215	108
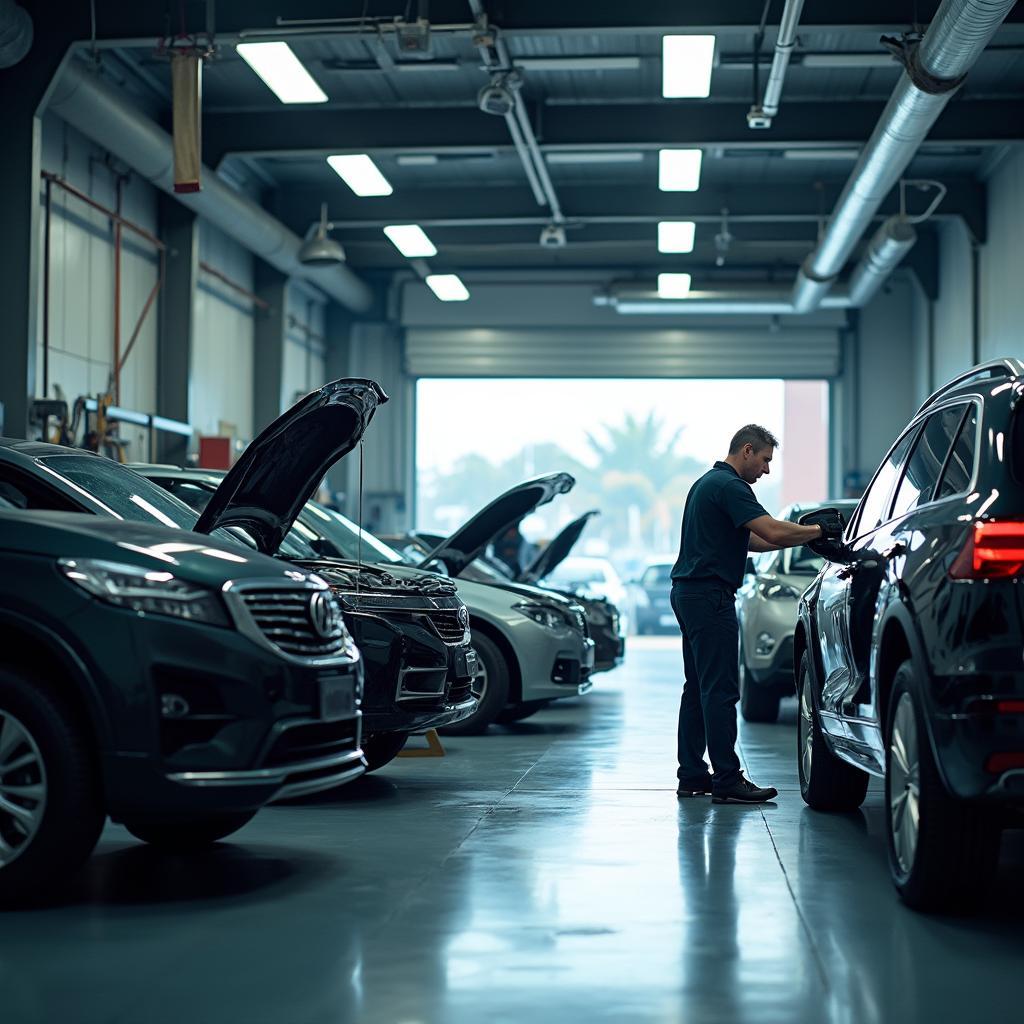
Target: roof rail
995	369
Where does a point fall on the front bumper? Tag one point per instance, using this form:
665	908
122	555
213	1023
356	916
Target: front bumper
247	726
414	680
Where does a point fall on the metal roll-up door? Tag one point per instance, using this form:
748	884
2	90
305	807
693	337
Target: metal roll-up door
792	353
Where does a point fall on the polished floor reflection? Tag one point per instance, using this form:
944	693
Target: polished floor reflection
545	872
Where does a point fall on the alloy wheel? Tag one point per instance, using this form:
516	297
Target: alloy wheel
478	684
805	730
904	783
22	788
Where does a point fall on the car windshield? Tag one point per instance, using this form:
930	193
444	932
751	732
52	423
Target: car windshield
123	492
577	575
347	538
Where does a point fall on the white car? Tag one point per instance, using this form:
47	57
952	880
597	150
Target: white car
592	577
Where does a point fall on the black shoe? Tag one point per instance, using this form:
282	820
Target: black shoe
688	789
743	792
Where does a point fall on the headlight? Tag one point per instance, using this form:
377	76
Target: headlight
779	591
544	615
152	592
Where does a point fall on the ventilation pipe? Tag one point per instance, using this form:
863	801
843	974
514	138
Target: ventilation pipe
101	113
761	117
959	32
15	33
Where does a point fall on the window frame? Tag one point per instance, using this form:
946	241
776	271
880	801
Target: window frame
979	410
853	530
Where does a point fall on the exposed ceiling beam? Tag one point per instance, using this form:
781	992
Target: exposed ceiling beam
320	130
298	206
126	22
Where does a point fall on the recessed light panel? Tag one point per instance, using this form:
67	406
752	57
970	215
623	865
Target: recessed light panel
673	286
447	287
283	72
361	174
410	240
679	170
676	235
686	66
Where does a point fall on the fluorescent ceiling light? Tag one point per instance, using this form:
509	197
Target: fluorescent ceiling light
447	287
679	170
416	159
686	66
849	60
673	286
610	157
821	154
577	63
361	174
410	240
676	235
282	71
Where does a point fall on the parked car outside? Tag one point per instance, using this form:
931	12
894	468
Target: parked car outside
652	609
766	609
589	576
412	627
909	643
144	675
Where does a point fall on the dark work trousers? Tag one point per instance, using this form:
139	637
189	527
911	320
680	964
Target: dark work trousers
707	712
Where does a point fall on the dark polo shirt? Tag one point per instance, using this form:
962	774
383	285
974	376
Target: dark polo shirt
713	542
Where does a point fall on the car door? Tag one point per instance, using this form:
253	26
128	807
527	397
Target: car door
833	600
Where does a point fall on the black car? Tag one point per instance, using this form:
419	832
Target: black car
173	682
908	646
411	627
652	607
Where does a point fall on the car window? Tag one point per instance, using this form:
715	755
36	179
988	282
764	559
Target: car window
656	576
22	490
959	471
195	495
874	506
803	561
925	464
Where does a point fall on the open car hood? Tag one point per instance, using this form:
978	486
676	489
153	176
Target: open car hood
554	554
277	474
470	539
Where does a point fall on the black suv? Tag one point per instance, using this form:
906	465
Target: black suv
908	645
412	627
145	674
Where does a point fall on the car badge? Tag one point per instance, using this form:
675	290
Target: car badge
464	617
323	614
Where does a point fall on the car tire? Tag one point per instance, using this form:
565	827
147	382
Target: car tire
489	686
947	860
757	703
826	782
186	836
382	749
55	783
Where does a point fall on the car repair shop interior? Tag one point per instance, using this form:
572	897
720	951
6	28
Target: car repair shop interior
358	359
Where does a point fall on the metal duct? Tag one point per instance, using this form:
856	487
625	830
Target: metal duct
959	32
754	299
889	244
761	117
101	113
15	33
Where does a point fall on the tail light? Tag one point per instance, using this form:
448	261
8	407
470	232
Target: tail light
994	549
1004	762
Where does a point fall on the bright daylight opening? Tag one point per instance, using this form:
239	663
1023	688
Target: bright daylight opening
634	447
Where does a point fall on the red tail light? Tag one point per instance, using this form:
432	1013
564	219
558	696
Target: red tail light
1005	762
994	549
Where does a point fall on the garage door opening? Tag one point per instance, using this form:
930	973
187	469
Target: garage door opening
634	447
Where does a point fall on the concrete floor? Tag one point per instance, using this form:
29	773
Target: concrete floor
544	872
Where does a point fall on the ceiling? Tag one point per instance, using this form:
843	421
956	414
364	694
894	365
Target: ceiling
454	169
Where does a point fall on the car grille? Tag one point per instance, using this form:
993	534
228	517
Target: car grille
283	617
447	625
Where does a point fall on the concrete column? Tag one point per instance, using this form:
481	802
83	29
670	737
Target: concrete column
269	330
180	231
24	88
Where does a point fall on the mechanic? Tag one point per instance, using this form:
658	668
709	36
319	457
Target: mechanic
722	520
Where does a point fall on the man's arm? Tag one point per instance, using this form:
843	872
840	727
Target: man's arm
778	533
758	545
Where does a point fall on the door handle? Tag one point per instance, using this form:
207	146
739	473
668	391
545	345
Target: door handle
892	552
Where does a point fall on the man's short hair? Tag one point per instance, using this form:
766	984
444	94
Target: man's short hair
753	435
